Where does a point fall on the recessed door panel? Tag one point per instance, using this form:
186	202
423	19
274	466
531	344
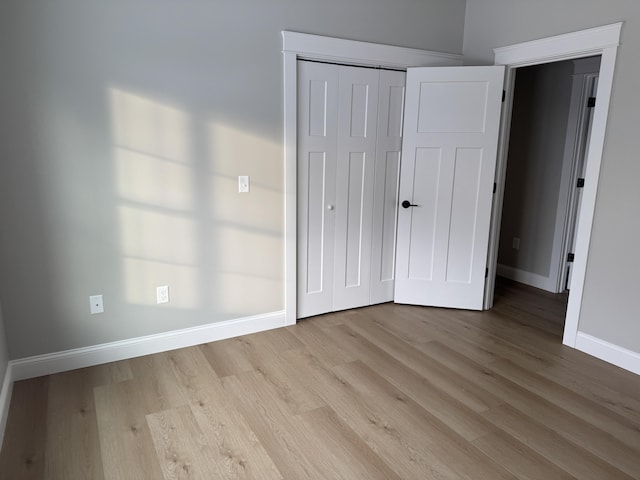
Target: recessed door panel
359	110
462	229
354	232
450	107
317	99
395	109
422	218
389	215
316	168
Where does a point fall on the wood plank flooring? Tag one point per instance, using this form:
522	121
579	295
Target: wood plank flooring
384	392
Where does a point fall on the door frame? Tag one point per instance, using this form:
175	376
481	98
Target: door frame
349	52
566	218
602	41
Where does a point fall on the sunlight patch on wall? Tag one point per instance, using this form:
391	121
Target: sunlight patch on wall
261	208
247	231
234	150
149	127
249	252
161	236
149	180
156	189
244	295
143	276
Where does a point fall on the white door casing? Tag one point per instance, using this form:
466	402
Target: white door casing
452	119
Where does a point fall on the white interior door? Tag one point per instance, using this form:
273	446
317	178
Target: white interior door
451	124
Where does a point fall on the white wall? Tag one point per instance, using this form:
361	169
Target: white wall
124	127
609	309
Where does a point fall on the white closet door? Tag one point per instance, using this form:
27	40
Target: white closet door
357	119
385	196
317	146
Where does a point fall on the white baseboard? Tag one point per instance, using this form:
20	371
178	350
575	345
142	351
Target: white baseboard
110	352
528	278
623	358
5	400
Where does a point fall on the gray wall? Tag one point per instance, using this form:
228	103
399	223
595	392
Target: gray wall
609	310
534	166
124	127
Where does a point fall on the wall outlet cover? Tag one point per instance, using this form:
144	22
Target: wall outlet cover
96	304
162	294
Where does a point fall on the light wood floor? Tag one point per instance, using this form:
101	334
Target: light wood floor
384	392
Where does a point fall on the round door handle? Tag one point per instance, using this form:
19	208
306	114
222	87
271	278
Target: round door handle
330	207
407	204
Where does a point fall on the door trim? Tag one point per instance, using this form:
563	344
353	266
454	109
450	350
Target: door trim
602	41
314	47
566	219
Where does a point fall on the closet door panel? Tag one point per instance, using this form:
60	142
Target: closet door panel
354	221
387	171
317	146
357	119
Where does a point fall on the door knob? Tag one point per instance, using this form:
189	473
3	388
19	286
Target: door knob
407	204
330	207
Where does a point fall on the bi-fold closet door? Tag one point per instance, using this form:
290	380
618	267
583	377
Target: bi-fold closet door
349	141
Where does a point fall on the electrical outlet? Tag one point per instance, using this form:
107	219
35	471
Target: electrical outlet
516	243
96	304
243	184
162	294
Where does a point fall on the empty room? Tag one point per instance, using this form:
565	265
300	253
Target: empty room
319	240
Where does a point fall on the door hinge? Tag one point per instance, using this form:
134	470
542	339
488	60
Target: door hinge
495	187
570	257
591	102
504	95
486	272
580	183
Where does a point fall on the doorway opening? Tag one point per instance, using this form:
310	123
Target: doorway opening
549	135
